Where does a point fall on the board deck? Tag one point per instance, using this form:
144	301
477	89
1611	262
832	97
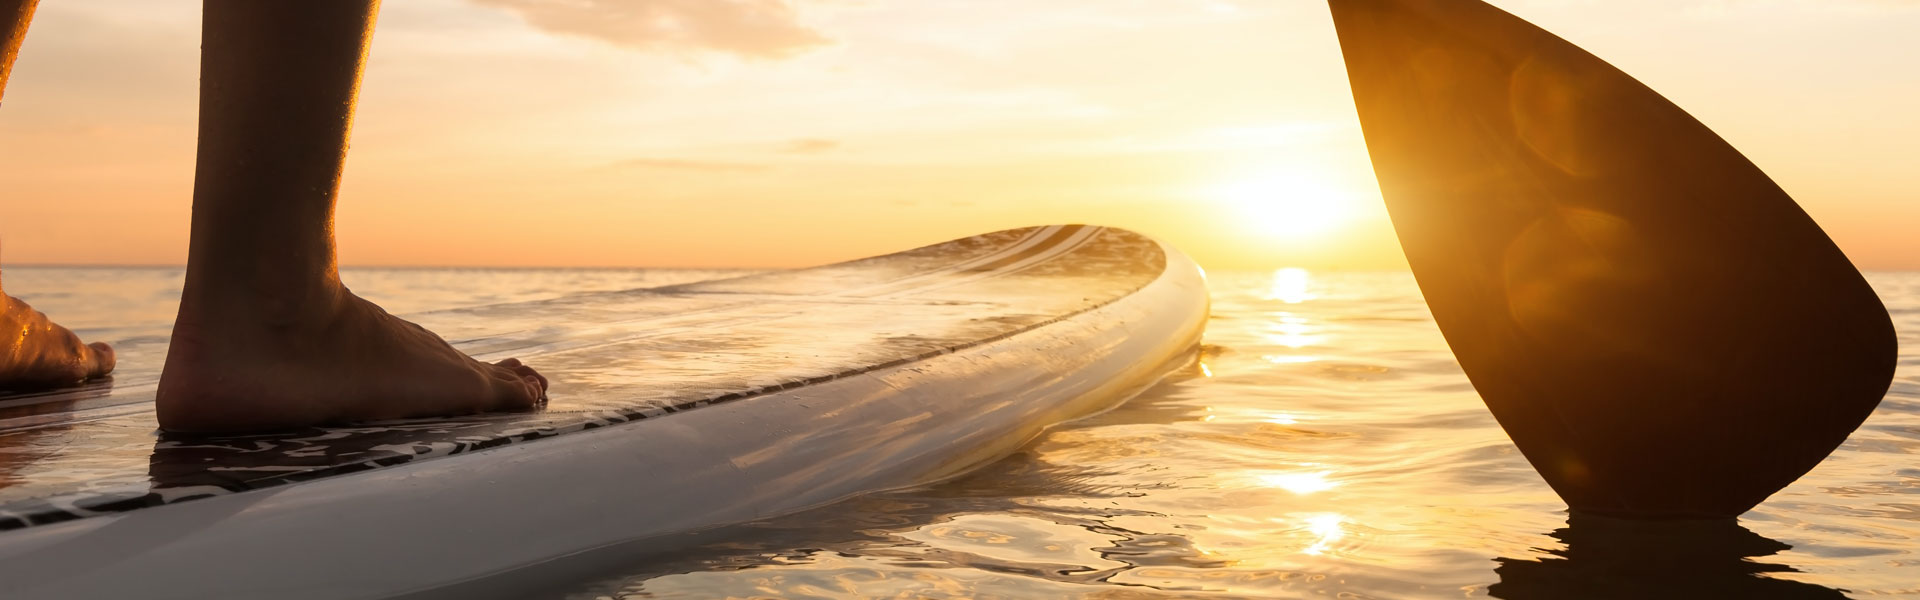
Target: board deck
623	360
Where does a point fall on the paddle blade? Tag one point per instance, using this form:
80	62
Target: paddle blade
1657	325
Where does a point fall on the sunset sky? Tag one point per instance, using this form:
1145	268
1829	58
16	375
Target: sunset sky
763	133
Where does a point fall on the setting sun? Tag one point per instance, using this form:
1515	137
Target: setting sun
1285	204
620	299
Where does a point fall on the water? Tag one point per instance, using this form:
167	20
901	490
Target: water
1326	445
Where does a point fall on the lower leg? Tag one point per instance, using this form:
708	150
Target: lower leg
267	336
34	352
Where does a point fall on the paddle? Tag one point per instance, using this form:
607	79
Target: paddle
1657	325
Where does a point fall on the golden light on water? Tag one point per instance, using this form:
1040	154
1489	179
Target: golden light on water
1289	359
1282	419
1328	528
1301	483
1293	331
1290	285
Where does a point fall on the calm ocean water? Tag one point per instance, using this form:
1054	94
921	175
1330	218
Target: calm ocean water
1327	445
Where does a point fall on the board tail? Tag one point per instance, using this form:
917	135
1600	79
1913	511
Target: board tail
1657	325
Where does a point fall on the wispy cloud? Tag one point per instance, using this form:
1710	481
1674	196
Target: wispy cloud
749	28
810	146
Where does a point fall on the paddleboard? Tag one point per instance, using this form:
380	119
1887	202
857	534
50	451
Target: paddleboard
672	409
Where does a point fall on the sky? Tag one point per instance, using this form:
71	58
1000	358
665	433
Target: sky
785	133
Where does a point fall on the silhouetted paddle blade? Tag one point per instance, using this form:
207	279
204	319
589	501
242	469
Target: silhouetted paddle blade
1661	330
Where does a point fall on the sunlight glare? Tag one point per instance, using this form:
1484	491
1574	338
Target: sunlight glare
1280	359
1285	204
1293	331
1290	286
1326	526
1300	483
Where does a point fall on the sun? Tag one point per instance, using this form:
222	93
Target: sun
1285	204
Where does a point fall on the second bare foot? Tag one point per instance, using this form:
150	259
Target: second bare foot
36	353
331	359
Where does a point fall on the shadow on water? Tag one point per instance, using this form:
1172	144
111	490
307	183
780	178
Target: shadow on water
1611	558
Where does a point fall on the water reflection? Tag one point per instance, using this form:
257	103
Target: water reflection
1289	359
1299	483
1610	558
34	426
942	542
1282	419
1291	285
21	450
1328	527
1292	331
1368	469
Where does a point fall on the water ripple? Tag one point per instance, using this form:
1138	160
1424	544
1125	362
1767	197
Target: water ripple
1329	447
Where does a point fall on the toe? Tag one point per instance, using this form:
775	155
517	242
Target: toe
513	392
525	372
532	375
539	390
103	359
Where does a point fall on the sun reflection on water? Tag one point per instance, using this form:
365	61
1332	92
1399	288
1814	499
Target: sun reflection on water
1283	359
1293	331
1328	527
1290	285
1301	483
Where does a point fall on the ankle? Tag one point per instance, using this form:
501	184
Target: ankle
275	303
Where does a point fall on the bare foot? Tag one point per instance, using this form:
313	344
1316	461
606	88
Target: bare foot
332	360
36	353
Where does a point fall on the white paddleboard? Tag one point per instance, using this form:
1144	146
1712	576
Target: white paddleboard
672	409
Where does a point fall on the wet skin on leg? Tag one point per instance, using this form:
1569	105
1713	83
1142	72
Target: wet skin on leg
34	351
267	337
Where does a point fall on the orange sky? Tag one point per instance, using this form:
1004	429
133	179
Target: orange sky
766	133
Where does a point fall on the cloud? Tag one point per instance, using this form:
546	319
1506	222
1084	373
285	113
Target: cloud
810	146
749	28
686	165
